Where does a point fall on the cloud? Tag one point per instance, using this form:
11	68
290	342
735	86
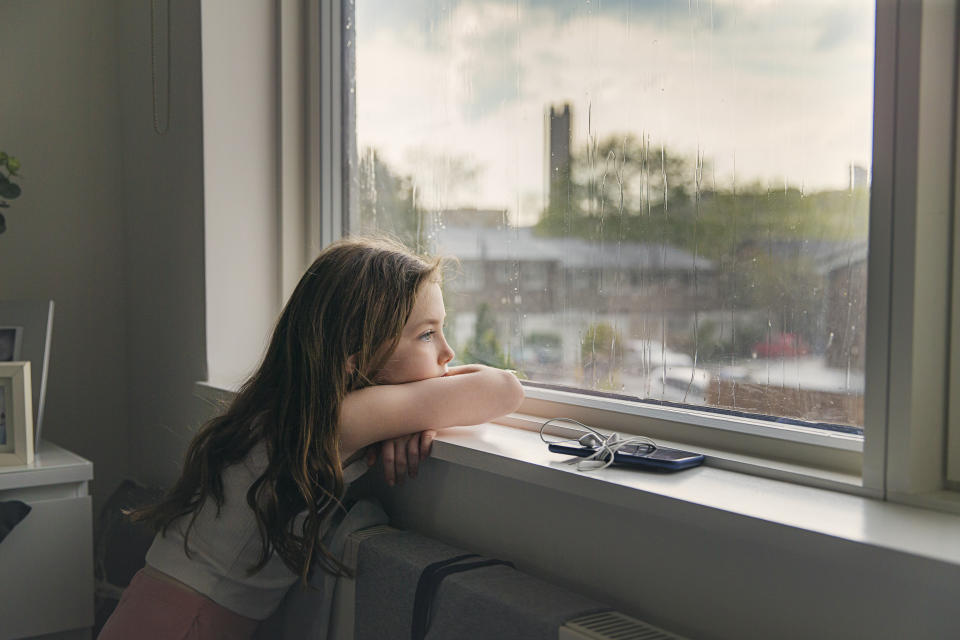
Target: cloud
781	91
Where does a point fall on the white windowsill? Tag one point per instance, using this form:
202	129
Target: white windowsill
520	454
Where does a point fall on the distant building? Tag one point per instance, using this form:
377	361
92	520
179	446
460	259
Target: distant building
503	265
859	177
558	162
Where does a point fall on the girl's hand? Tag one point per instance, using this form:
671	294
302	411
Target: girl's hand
402	455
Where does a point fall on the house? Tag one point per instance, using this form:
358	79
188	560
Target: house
156	200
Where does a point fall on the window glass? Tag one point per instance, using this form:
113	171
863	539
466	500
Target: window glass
667	200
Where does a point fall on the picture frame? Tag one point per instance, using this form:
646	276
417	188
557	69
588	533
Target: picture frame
16	414
29	324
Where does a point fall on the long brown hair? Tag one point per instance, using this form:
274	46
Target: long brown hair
353	301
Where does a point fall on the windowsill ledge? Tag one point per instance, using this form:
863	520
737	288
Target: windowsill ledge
519	454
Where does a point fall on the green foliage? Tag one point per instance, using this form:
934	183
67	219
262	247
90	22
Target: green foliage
387	202
715	344
484	347
546	339
601	354
9	190
625	189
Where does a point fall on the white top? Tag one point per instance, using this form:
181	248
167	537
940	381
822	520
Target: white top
224	547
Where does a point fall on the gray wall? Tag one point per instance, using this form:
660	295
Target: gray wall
162	195
110	225
694	570
59	114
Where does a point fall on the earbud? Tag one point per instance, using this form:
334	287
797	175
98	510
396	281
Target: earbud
589	440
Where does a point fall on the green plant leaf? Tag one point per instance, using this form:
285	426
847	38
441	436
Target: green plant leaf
13	165
9	190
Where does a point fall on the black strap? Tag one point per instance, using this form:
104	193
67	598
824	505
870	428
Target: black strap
429	584
420	603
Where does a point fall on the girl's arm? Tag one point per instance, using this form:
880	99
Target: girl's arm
465	396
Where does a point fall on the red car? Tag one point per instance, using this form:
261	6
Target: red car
780	345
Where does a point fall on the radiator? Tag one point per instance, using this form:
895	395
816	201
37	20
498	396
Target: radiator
607	625
611	625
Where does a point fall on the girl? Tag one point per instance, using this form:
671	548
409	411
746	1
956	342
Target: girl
358	357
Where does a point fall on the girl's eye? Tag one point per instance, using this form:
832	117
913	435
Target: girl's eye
427	336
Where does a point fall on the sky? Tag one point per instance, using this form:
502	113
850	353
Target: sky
454	93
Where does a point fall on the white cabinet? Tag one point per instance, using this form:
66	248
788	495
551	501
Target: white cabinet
46	562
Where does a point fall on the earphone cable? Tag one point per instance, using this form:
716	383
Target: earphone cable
605	445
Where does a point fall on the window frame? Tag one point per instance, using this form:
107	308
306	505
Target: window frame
903	455
952	480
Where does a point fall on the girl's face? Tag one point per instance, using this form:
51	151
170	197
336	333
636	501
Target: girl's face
422	351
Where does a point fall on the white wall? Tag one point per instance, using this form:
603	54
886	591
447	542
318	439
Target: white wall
240	82
59	115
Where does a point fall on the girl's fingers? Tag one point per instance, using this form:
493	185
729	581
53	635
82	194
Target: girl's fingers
389	470
413	454
426	442
400	458
371	455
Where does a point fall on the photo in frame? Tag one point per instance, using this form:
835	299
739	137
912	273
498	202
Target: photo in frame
26	327
11	342
16	415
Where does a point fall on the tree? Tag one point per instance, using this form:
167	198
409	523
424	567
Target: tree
484	347
387	202
601	355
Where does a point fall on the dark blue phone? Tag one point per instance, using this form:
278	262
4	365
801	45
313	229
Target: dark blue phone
640	455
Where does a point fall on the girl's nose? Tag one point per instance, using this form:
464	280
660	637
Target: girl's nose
446	353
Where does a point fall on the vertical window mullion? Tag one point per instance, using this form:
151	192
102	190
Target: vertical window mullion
922	186
331	124
880	253
325	124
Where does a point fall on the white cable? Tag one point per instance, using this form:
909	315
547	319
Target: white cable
604	445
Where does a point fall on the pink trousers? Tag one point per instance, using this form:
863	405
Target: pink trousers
152	609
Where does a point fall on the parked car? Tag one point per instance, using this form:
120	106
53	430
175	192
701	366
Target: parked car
780	345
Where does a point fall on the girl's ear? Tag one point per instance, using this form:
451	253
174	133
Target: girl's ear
352	364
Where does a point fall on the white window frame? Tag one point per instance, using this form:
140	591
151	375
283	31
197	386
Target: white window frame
903	455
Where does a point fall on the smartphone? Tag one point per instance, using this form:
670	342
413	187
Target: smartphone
640	455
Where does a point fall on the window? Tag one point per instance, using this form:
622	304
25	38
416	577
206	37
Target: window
694	178
669	205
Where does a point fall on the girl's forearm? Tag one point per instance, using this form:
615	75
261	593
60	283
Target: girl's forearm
465	396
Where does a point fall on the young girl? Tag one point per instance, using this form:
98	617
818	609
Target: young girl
358	357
